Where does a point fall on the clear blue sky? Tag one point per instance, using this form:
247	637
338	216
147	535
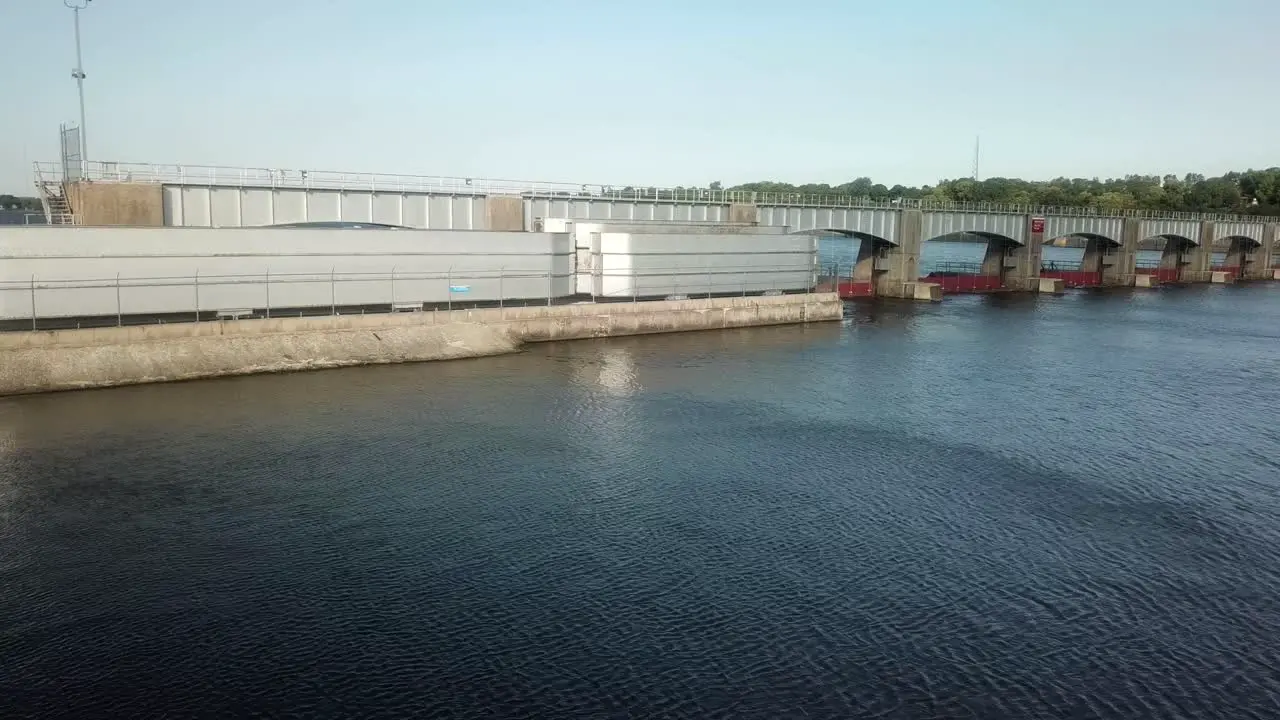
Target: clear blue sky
660	92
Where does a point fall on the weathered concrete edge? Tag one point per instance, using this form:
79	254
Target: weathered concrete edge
48	369
81	359
815	307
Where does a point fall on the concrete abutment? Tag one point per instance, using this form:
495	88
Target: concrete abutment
44	361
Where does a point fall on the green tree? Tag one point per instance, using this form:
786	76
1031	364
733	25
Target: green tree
1249	191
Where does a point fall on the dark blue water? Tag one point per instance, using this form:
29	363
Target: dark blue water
996	507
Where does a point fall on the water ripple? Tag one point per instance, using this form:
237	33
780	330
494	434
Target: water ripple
1057	507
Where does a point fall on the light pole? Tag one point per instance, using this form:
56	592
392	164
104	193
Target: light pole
78	73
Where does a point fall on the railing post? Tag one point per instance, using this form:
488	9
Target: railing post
268	293
33	302
333	292
393	288
502	273
551	268
448	278
197	294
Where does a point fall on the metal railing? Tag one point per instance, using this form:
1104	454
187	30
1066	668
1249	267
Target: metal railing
11	217
1062	265
951	268
39	303
214	175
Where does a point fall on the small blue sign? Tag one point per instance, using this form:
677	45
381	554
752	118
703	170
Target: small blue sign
459	288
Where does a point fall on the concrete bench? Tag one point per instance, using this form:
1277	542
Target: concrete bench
234	314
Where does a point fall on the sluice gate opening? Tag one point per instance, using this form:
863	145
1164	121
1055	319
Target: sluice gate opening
1098	266
963	277
1238	257
854	264
1170	263
998	270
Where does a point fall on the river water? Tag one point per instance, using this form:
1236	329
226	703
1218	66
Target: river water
993	507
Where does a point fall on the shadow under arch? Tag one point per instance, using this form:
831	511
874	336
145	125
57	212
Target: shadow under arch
853	234
1087	237
975	236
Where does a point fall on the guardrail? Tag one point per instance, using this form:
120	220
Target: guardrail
50	303
214	175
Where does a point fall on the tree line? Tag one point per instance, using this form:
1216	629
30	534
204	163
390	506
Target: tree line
1255	192
1249	192
13	202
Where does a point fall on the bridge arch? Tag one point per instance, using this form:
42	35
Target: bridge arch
1086	226
1244	240
1001	228
975	236
1173	238
854	234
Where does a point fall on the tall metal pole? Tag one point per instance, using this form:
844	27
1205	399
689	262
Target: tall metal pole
78	73
977	155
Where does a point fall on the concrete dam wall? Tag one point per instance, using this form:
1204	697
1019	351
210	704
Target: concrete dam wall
32	362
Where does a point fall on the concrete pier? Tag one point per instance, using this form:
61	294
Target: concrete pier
1263	257
1122	270
896	266
32	362
1051	286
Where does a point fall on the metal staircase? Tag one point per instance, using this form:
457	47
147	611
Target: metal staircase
53	198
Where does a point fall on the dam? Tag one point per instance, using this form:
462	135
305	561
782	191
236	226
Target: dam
147	274
1194	247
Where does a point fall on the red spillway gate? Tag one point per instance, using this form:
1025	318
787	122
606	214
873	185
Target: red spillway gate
1163	274
849	290
839	279
1072	276
959	277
